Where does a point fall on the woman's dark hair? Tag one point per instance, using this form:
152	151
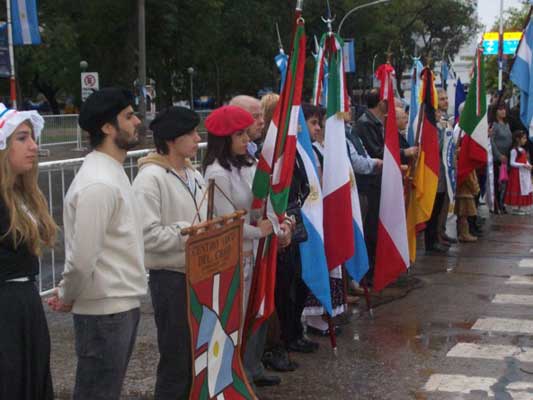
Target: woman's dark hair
161	145
493	117
311	110
219	148
97	136
517	135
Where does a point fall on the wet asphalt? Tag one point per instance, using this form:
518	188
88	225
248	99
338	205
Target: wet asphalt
392	353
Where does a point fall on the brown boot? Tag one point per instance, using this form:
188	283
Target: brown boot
464	233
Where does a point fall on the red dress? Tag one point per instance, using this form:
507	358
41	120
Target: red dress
513	194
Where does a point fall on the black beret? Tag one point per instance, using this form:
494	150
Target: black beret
102	106
173	122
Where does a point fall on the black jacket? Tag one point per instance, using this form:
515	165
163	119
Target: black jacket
371	132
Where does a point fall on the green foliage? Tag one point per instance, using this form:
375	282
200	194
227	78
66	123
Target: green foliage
229	43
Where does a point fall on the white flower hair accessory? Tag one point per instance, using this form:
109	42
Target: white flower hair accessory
11	119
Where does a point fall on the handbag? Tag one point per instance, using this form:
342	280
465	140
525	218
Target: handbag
299	233
503	176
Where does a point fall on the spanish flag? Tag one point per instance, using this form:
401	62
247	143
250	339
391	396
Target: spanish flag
425	171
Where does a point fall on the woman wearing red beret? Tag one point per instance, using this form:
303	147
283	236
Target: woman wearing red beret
227	162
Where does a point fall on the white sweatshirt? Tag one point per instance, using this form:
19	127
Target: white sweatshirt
168	205
104	253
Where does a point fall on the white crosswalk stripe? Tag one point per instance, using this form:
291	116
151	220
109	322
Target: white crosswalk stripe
523	300
520	280
468	384
526	263
491	352
504	325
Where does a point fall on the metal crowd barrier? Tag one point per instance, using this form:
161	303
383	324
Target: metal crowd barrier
54	179
63	129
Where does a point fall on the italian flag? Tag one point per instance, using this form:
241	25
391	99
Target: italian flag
339	238
473	121
273	178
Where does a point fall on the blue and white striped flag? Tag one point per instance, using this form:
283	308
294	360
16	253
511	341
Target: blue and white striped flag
522	76
281	62
348	56
25	22
315	272
357	266
414	104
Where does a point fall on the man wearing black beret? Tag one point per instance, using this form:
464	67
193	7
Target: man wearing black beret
170	191
104	275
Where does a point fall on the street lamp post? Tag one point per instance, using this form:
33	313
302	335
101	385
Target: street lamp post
190	70
142	59
372	3
500	51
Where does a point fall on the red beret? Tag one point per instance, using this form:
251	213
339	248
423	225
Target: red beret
227	120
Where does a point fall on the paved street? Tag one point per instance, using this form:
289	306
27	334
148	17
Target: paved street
459	327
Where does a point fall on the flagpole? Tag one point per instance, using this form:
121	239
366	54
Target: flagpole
12	80
500	51
262	242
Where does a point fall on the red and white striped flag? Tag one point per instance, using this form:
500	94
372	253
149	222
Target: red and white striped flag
392	251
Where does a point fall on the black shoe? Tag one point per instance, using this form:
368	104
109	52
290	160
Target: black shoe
267	380
475	231
311	343
278	360
301	346
437	248
449	239
321	333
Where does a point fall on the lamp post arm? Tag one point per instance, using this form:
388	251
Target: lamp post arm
358	8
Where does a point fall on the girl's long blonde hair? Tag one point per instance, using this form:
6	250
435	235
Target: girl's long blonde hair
29	219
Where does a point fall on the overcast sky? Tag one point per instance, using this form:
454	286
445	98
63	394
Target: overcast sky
489	10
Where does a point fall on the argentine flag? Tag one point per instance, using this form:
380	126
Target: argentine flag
414	103
219	354
315	271
25	22
521	75
357	266
282	60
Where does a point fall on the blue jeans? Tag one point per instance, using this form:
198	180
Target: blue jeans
169	299
104	344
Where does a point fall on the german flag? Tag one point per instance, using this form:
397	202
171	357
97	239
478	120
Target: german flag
425	172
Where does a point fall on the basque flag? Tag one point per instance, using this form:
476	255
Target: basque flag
25	22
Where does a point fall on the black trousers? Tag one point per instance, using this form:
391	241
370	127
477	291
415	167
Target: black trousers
370	225
174	371
290	293
431	233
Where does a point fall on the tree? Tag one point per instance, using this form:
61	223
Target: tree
514	21
230	43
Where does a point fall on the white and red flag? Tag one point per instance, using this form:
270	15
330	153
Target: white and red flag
392	251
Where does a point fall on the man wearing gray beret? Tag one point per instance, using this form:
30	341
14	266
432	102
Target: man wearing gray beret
170	191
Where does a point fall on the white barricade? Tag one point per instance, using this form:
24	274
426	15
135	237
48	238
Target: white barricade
54	179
